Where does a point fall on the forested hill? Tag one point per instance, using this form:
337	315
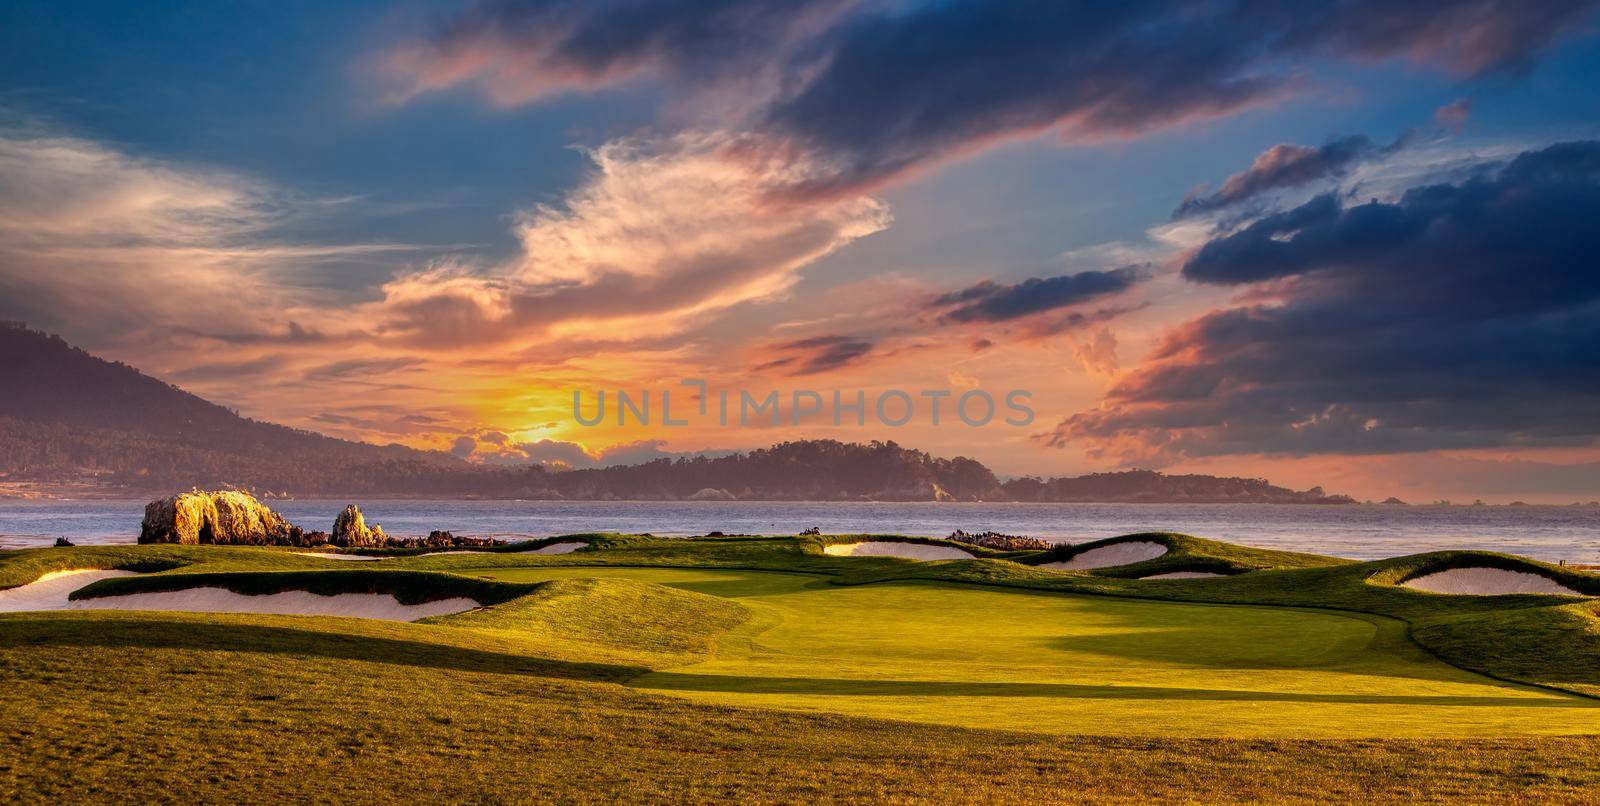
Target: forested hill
1148	485
69	417
66	414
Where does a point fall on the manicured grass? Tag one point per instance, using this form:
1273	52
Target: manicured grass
976	657
174	707
761	669
612	619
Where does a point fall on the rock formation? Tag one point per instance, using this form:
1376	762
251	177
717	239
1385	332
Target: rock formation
1001	542
350	530
712	494
440	539
227	517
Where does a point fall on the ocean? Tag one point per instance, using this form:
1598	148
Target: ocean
1363	532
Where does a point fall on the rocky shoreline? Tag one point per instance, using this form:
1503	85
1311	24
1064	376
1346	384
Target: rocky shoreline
236	518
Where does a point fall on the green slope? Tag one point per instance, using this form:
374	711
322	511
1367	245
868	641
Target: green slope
762	669
975	657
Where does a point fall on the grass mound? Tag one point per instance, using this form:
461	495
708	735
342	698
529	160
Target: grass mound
631	621
1184	553
1558	647
516	547
1400	570
142	706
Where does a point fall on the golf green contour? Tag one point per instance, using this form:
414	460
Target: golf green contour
777	668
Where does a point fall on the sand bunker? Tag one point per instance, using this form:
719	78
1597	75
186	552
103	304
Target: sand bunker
889	548
1185	575
1126	553
50	592
1487	582
560	548
289	603
326	555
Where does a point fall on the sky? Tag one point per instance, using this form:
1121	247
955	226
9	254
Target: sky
1348	245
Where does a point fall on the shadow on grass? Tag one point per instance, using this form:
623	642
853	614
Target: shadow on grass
679	681
727	583
22	631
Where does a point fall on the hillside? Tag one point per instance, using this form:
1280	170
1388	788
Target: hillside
1150	486
68	417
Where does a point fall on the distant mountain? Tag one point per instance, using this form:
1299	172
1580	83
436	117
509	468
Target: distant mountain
1153	487
826	470
67	417
806	470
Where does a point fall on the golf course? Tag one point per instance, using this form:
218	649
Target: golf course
780	668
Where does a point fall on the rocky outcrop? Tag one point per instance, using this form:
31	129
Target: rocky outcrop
224	518
1001	542
440	539
712	494
350	530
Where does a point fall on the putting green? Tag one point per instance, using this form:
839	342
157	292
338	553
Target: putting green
1056	663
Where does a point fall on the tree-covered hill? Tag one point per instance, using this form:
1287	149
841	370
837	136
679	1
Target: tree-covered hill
68	416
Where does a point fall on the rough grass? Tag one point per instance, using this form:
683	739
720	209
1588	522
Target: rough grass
1551	646
523	701
172	707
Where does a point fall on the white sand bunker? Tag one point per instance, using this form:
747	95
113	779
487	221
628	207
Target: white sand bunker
1487	582
890	548
288	603
1125	553
560	548
1185	575
328	555
50	592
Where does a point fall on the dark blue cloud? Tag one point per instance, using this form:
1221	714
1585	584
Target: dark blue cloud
870	89
819	354
1514	236
1460	315
1289	166
989	301
897	89
527	48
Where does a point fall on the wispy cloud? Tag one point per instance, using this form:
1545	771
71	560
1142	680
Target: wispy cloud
516	51
870	91
119	246
662	230
1288	165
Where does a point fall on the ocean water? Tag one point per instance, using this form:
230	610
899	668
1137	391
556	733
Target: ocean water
1360	532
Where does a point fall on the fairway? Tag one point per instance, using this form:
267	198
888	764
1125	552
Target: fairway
994	658
765	669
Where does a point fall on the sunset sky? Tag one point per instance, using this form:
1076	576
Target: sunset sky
1348	243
